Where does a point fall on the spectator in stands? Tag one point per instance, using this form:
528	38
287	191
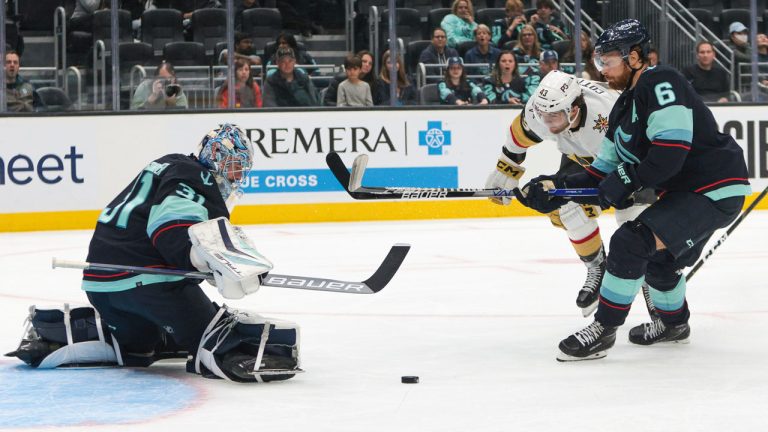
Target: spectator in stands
247	92
289	86
708	79
456	89
405	92
366	74
483	51
354	92
82	16
527	49
739	42
505	30
161	92
20	96
762	60
548	28
438	52
548	61
302	56
244	50
505	85
653	57
589	72
460	24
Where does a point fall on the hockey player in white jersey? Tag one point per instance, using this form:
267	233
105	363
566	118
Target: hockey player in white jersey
573	113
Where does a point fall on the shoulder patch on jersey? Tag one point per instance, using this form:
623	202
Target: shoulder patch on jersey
601	123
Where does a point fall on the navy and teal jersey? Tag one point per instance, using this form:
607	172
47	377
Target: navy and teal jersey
146	224
663	127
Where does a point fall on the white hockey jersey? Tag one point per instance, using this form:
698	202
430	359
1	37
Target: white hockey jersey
585	141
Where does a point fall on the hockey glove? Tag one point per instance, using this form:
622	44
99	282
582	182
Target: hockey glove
617	188
506	175
534	194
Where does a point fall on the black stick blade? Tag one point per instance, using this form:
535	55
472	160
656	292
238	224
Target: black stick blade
388	267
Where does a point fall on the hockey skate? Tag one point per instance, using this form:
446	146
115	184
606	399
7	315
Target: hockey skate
657	332
590	343
589	293
272	368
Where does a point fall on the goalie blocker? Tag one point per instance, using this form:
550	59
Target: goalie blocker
233	344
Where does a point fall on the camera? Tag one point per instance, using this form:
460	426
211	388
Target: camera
172	90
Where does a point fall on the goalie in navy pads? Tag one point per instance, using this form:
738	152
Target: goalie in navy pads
660	135
574	113
175	214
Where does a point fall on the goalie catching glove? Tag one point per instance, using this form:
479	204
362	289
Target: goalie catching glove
224	250
506	176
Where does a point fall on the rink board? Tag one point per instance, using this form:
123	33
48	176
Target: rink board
69	167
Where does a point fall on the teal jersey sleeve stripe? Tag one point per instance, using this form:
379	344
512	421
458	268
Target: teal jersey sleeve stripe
607	159
618	290
729	192
669	300
129	283
673	123
175	208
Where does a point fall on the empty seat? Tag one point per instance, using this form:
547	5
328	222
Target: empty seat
706	19
161	26
102	26
423	6
429	95
713	5
488	15
412	53
185	54
561	47
37	15
135	53
407	24
435	17
262	25
728	16
54	99
745	4
465	46
209	26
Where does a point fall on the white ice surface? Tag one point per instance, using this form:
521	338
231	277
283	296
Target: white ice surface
476	312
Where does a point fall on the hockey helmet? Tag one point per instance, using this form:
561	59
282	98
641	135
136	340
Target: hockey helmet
622	37
228	153
553	101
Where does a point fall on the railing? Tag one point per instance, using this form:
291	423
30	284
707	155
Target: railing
744	80
588	24
432	73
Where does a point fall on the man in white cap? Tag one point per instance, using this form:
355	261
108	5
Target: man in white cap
739	42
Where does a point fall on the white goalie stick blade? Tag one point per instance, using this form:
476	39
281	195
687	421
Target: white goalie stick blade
358	169
378	280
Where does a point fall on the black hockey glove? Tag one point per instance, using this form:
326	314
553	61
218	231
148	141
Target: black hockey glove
534	194
617	188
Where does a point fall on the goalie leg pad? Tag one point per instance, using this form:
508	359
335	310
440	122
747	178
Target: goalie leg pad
238	345
66	337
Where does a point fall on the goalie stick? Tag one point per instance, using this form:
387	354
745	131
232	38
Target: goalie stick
352	183
372	285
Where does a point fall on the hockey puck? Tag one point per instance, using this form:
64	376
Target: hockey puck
409	379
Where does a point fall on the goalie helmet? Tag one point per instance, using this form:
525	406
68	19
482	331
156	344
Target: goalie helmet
622	37
228	153
555	95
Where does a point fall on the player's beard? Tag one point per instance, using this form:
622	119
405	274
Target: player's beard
621	82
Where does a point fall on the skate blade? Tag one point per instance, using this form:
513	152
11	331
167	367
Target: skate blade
564	358
276	371
587	311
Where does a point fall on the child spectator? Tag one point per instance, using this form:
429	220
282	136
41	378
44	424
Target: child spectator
548	28
405	92
247	92
353	91
506	29
366	74
456	89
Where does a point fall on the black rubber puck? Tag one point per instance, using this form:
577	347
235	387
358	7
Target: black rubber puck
409	379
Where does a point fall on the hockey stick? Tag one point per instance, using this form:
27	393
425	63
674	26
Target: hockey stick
372	285
352	183
646	293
